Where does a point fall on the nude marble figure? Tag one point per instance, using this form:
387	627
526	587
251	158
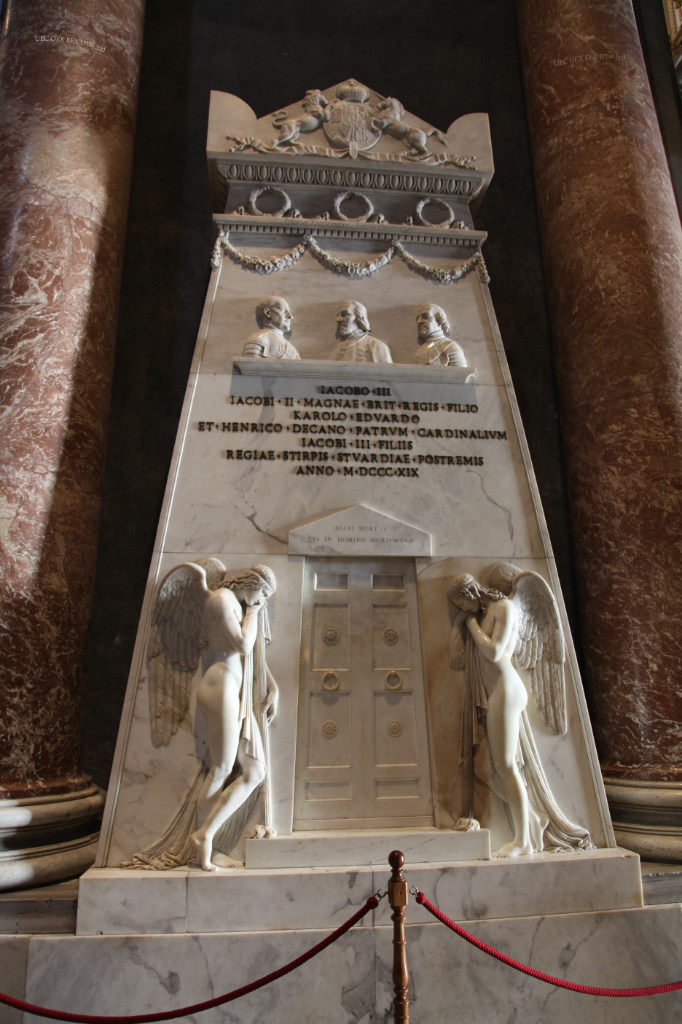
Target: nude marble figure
205	615
494	634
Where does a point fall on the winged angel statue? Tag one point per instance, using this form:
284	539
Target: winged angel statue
205	614
513	624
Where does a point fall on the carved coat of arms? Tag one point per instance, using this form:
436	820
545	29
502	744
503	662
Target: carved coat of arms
350	126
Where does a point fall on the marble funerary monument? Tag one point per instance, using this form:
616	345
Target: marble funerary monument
353	638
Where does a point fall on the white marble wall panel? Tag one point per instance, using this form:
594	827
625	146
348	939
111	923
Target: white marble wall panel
452	980
145	974
249	500
13	961
351	981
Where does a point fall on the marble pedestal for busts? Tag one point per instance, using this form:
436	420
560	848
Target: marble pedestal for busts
365	486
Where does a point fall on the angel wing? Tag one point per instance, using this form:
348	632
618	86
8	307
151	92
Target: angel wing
175	642
540	645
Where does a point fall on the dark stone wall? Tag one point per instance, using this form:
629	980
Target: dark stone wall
442	59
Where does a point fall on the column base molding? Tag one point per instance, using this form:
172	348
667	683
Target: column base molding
48	840
647	817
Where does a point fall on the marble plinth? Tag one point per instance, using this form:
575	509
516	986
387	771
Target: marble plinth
125	901
336	849
48	910
351	981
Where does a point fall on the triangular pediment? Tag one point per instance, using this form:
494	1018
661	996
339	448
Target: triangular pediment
358	531
348	120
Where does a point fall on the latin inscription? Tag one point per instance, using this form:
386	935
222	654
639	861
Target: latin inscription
361	431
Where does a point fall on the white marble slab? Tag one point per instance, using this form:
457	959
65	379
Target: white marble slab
144	974
281	900
13	961
127	902
271	899
354	373
545	883
318	849
449	979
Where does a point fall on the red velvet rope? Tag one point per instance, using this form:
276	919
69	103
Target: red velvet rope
146	1018
589	990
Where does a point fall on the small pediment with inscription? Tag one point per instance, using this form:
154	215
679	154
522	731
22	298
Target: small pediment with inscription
358	530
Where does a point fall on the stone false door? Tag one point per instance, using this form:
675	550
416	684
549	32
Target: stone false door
363	755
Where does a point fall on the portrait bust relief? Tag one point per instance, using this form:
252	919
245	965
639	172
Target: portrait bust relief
355	343
271	340
435	347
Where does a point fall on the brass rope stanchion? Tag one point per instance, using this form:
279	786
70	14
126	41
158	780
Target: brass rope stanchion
397	897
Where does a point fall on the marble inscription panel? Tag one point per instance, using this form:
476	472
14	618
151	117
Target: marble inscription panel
245	450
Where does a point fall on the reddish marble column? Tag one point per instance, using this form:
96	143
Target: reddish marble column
613	256
68	87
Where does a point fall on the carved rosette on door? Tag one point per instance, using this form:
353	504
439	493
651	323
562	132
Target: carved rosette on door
362	757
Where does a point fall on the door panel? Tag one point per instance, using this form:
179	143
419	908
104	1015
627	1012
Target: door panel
362	758
395	733
391	637
331	636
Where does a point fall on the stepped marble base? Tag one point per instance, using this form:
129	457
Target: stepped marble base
174	938
351	981
133	902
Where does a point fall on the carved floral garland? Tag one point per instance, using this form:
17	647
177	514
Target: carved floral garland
271	265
